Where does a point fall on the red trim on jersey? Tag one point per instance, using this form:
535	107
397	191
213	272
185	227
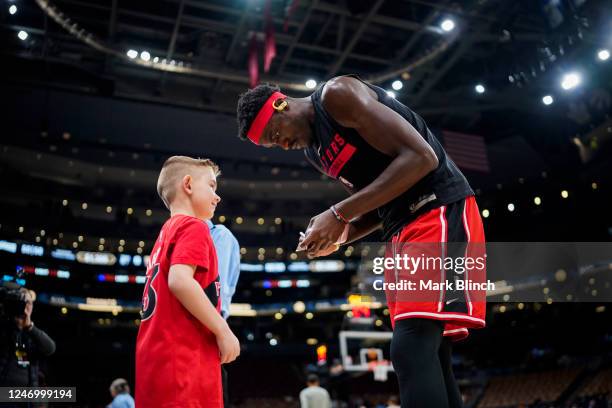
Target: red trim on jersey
345	155
263	117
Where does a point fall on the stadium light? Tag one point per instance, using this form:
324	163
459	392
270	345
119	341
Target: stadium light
570	81
547	100
132	54
12	9
22	35
447	25
145	56
397	85
480	88
603	55
510	207
311	84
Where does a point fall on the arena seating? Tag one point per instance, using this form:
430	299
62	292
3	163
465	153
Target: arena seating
525	389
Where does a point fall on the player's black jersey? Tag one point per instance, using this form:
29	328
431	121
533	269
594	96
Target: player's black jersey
344	155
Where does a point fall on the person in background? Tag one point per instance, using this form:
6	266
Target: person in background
22	346
228	264
314	396
120	391
393	402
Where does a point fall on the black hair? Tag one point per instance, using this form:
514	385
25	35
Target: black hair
312	378
249	104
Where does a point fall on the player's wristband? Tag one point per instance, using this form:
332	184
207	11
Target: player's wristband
339	215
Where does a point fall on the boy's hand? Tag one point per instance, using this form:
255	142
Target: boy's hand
229	346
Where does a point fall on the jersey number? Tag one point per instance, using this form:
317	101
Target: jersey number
149	298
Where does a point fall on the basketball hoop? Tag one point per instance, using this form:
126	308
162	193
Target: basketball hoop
380	369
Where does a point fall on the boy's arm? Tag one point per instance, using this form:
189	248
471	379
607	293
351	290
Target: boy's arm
192	297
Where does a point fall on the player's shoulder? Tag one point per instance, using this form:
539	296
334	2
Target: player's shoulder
342	96
341	87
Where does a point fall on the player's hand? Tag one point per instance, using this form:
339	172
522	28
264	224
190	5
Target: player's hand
229	346
322	233
324	251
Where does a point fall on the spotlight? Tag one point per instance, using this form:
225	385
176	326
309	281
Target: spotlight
22	35
603	55
145	56
537	200
156	60
311	84
485	213
397	85
132	54
447	25
564	194
391	94
480	88
510	207
12	9
570	81
547	100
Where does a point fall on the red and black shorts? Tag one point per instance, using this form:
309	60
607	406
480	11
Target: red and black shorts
450	243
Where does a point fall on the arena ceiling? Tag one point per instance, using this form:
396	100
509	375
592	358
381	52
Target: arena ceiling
507	45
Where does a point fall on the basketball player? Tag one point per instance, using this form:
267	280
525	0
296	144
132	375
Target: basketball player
400	179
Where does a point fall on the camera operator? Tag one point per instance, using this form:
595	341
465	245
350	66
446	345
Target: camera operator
22	344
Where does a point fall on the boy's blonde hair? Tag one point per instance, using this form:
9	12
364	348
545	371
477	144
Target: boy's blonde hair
173	171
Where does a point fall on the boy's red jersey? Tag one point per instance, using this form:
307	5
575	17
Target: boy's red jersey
177	358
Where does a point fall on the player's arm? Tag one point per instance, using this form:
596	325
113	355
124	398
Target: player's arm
191	295
359	228
364	226
352	104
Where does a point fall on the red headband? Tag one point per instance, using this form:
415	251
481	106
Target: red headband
264	115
